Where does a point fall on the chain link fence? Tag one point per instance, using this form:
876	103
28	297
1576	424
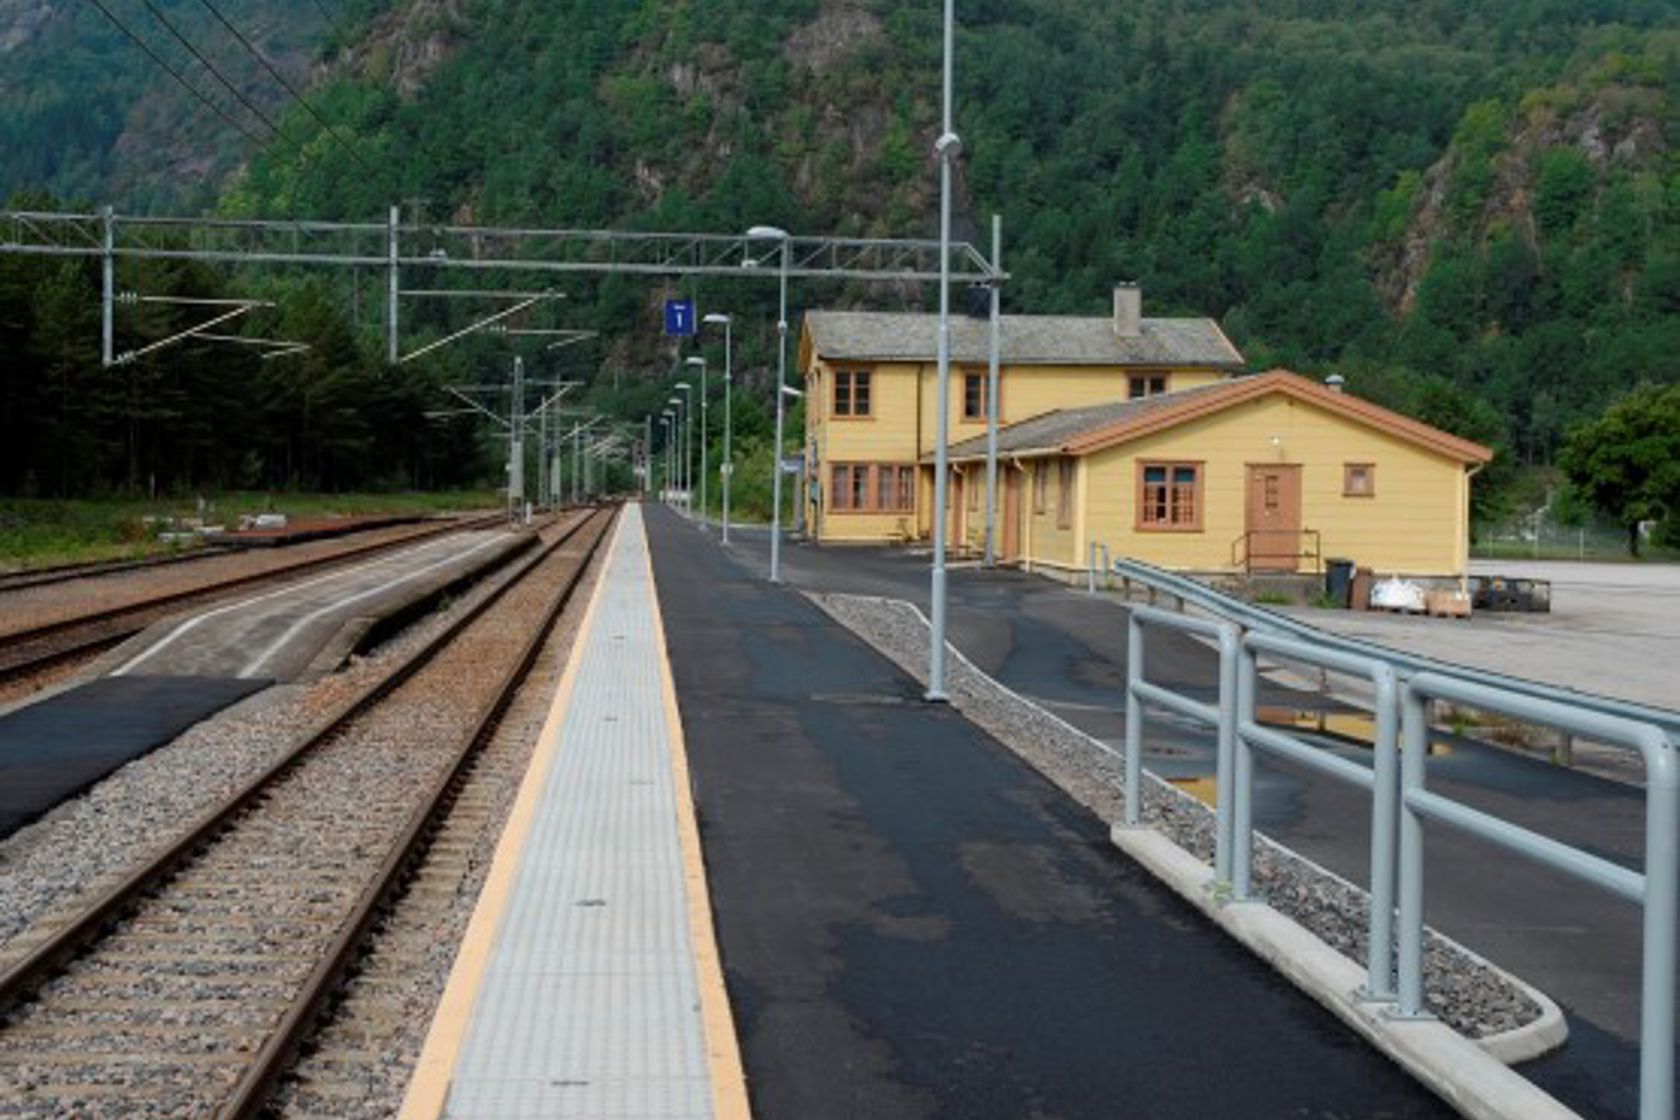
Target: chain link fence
1536	536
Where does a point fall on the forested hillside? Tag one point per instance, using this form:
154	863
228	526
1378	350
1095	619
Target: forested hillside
1471	208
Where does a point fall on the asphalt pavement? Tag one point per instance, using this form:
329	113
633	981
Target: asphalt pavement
1066	649
914	923
57	747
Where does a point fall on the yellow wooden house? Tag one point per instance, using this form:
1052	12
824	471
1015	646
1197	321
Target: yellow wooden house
871	405
1271	472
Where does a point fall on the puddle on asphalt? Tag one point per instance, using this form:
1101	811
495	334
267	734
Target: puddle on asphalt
1204	789
1357	728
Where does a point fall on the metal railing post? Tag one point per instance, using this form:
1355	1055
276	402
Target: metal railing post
1134	722
1230	653
1385	806
1242	782
1415	738
1662	906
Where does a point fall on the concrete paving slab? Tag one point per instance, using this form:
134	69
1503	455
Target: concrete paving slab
277	634
590	999
1613	629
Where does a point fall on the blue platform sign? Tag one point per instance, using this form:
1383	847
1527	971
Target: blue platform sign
679	317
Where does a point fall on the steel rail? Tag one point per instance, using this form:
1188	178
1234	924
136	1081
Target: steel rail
93	569
95	619
250	1095
21	979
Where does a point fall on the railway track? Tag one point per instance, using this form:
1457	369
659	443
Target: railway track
40	649
187	988
91	569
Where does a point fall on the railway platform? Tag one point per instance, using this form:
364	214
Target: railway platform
910	921
1065	649
187	667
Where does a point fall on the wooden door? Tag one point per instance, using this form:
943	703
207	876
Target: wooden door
1273	520
1011	516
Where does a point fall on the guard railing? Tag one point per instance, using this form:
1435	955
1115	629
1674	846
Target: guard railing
1400	799
1657	890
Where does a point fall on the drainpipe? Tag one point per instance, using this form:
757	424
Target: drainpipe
1464	578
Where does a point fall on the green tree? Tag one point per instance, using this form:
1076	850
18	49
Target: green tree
1627	462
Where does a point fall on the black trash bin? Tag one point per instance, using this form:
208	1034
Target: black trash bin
1338	581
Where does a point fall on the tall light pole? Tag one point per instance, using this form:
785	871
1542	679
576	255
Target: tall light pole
676	442
715	318
705	408
774	234
992	376
687	443
668	419
947	147
647	455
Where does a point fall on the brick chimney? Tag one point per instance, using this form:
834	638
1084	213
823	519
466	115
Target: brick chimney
1128	310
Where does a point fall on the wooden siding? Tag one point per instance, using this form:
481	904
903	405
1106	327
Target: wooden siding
904	418
1415	522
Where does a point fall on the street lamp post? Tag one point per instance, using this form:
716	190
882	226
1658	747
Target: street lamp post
705	409
687	444
717	317
668	420
676	442
774	234
947	147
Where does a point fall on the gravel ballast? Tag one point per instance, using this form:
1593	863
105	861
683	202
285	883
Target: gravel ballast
1466	992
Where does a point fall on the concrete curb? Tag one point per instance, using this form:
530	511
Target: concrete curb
1465	1074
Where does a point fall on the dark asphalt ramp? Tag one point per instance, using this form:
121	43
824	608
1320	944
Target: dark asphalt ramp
57	747
914	923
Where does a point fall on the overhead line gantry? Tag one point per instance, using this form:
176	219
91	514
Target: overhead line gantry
532	251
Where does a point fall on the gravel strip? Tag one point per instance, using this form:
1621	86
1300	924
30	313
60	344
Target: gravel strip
1463	990
360	1062
306	848
92	840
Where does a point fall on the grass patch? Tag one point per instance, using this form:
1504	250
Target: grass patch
38	533
1274	599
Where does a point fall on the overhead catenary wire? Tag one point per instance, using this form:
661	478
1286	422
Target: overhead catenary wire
176	74
250	105
252	50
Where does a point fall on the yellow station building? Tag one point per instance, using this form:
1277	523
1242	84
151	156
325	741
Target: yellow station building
1139	435
871	406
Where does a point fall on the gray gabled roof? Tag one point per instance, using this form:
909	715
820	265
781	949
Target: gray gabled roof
1051	431
1025	340
1080	431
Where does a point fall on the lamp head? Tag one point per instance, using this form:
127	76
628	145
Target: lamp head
683	385
770	233
717	318
695	361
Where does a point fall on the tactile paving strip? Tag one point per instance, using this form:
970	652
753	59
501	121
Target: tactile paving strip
589	1006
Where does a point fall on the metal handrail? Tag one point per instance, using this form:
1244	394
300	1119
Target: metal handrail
1256	618
1657	890
1401	802
1315	554
1382	780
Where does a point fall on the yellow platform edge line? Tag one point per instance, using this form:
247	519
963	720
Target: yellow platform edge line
723	1052
428	1087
